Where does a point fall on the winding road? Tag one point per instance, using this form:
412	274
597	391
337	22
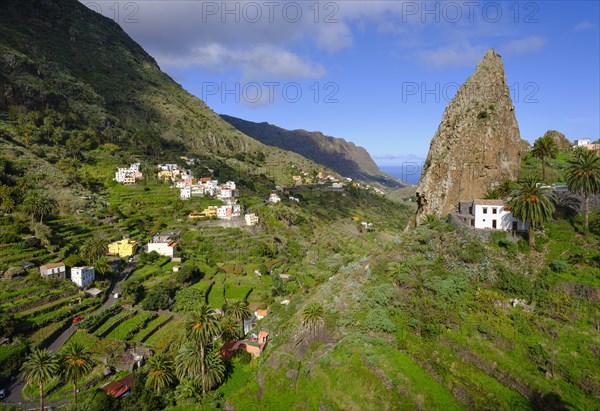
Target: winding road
16	388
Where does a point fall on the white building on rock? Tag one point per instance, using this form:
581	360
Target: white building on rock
489	214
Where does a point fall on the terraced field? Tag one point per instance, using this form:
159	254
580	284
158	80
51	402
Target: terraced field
165	335
144	333
104	328
123	329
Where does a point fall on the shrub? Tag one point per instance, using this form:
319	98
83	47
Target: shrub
498	236
483	328
8	238
378	295
522	246
472	251
595	222
559	266
160	297
378	320
510	246
513	282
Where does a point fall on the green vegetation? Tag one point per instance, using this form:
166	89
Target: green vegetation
433	318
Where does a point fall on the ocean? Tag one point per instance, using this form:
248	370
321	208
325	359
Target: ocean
409	172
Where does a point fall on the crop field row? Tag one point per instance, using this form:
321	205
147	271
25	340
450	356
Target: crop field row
112	321
123	329
143	333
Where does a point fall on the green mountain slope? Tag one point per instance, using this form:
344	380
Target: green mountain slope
340	155
62	56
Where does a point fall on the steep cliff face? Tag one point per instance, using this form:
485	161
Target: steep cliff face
476	146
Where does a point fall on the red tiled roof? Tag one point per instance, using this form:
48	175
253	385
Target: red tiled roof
53	265
118	388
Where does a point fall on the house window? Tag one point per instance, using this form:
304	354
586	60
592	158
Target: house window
494	223
494	211
484	210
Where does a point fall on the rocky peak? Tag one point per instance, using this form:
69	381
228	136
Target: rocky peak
476	146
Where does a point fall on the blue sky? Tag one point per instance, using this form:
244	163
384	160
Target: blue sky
377	73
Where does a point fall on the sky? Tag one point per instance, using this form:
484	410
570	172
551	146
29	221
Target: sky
377	73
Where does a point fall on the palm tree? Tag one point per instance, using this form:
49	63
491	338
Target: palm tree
544	148
39	368
583	176
102	266
188	391
215	368
77	362
189	365
160	373
188	362
202	326
502	190
38	204
532	205
312	316
229	329
94	248
238	309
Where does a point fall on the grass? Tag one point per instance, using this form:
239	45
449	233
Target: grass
7	351
163	338
120	332
112	321
84	338
139	336
39	336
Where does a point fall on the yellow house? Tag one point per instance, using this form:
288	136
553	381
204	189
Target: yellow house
211	211
165	174
123	248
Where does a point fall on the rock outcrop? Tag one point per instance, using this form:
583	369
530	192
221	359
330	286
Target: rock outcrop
476	146
559	138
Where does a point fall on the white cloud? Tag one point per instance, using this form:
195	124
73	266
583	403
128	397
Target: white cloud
260	62
453	55
584	25
525	45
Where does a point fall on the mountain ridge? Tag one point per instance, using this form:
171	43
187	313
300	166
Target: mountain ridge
59	55
342	156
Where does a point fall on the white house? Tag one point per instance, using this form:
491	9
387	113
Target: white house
225	193
197	191
163	245
251	219
583	142
83	276
185	193
227	212
490	214
274	198
56	271
128	175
